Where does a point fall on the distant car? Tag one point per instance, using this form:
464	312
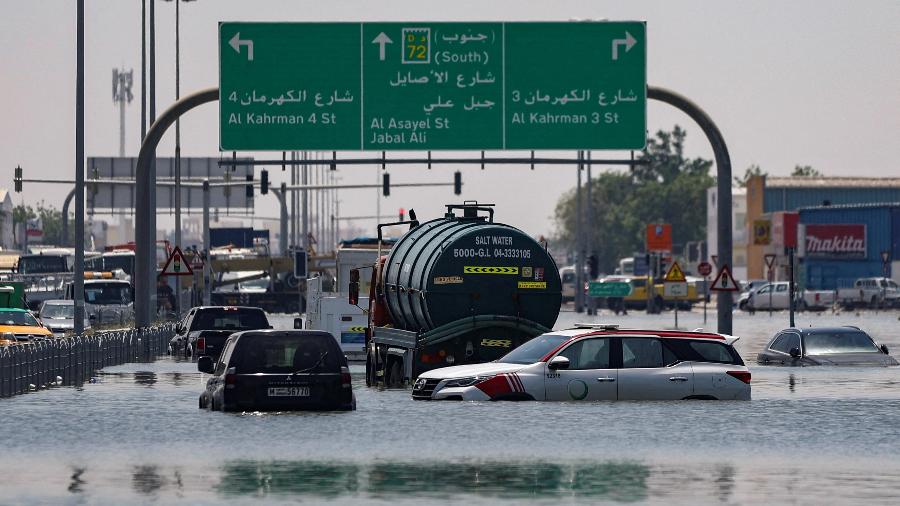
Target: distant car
278	370
58	316
20	326
203	329
594	363
824	346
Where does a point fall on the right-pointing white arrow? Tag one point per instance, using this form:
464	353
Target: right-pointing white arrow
628	42
381	40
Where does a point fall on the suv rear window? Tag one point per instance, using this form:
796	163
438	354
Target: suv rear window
230	319
696	350
286	353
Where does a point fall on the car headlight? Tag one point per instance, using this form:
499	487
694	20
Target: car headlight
466	382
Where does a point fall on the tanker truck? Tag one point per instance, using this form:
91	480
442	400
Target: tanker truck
456	290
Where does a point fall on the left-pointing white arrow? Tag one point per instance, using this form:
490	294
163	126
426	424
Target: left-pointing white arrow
236	44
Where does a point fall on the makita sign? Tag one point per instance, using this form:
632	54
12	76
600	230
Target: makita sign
836	240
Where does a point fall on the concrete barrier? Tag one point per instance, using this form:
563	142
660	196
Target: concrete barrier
74	360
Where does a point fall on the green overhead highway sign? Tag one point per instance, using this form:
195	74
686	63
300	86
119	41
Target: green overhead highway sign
432	86
609	289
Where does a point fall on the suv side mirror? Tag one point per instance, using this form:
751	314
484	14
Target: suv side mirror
558	362
205	364
884	349
354	287
795	352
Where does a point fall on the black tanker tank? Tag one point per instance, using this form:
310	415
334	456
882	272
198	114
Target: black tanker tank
461	266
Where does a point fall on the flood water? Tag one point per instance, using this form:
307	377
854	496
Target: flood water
135	435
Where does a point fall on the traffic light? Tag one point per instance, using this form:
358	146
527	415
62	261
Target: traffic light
263	182
594	266
386	184
402	214
249	186
457	183
17	179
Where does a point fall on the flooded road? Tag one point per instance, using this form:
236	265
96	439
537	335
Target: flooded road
812	435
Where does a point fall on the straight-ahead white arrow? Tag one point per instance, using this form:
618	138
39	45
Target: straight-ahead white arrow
236	44
628	42
381	40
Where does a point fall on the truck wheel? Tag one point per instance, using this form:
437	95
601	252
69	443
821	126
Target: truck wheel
395	375
371	377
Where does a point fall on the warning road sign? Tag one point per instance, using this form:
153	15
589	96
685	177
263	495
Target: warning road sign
675	274
177	265
724	281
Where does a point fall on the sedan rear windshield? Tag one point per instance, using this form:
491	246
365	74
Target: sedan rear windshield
534	350
824	343
286	354
230	319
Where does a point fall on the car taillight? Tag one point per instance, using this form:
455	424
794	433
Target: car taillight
741	375
201	344
230	380
345	376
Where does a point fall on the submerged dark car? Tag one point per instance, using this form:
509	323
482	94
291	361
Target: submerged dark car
848	346
278	370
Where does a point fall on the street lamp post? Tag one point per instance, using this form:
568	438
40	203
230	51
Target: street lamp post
178	237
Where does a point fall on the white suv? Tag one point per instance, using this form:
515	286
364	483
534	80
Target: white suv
600	363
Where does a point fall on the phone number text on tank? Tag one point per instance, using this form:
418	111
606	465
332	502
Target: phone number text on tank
486	253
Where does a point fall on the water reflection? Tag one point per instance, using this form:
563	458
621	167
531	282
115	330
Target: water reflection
145	378
614	481
77	484
146	480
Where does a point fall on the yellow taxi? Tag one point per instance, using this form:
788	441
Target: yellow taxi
638	297
19	326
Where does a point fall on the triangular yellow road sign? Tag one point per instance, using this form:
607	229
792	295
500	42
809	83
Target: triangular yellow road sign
675	274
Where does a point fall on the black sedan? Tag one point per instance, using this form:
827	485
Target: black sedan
278	370
847	346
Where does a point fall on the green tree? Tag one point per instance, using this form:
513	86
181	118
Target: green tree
805	171
753	170
51	218
669	188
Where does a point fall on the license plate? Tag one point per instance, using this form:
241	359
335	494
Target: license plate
289	392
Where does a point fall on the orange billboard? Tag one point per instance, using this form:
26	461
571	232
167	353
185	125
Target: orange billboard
659	237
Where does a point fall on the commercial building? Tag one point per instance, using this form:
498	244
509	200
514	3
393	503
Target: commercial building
766	211
846	242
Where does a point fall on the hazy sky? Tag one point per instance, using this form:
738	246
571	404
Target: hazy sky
801	82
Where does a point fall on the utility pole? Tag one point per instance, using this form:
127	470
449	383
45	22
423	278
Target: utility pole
177	152
207	284
143	69
78	277
305	204
150	179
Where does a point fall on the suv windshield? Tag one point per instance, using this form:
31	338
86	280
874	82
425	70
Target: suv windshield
18	318
532	351
230	319
851	341
286	354
58	311
107	293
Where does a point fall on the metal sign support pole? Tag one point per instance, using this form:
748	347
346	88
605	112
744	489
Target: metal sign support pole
579	258
791	291
207	285
705	297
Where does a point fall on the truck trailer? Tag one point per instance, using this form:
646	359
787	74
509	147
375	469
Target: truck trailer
459	289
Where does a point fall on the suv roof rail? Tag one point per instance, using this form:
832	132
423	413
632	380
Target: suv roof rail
600	326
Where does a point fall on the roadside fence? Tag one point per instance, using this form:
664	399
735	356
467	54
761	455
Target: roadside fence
74	360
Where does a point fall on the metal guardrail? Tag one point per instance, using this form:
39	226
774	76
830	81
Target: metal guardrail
72	361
